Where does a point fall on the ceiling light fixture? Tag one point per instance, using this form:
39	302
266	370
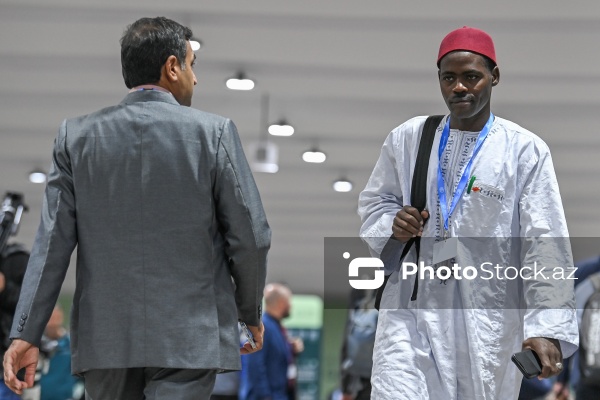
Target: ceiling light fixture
314	156
37	176
281	129
265	155
342	185
240	82
196	44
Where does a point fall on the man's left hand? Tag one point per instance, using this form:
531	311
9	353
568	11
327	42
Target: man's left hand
258	333
548	350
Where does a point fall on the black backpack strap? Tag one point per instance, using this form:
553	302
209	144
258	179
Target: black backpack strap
418	192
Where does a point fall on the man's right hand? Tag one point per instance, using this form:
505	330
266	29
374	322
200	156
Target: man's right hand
549	352
2	282
408	223
20	354
258	334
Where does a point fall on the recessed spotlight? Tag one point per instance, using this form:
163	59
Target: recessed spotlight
37	177
195	44
314	156
342	185
281	129
268	168
240	82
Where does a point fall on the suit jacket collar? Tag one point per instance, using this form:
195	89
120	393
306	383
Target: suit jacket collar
149	95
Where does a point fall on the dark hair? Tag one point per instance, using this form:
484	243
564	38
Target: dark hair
146	45
489	63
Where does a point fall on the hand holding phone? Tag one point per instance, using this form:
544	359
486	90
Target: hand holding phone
248	334
528	363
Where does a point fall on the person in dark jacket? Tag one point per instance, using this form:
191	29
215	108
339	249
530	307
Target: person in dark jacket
13	263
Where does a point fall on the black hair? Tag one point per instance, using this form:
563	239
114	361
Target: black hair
489	63
146	45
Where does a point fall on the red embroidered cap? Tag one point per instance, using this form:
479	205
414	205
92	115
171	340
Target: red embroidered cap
468	39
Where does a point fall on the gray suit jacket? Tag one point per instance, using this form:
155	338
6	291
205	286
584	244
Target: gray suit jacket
163	208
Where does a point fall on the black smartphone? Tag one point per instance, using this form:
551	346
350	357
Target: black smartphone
528	363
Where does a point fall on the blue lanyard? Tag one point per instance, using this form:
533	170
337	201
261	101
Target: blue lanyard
467	172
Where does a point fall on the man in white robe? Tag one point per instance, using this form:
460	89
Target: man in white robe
454	340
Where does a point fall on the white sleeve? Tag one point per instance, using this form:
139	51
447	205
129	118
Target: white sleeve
550	301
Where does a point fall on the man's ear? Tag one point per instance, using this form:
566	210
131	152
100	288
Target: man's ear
495	76
171	69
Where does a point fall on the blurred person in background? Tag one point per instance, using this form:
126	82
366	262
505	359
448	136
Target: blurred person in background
271	373
57	382
13	263
357	348
585	366
171	236
569	381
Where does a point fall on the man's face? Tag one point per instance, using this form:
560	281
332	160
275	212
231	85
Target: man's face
466	84
187	79
286	307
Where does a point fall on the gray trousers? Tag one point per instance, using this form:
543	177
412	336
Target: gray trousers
149	384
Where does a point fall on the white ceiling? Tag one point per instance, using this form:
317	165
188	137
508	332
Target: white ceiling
343	72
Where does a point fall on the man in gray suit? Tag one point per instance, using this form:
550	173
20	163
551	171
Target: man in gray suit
170	231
